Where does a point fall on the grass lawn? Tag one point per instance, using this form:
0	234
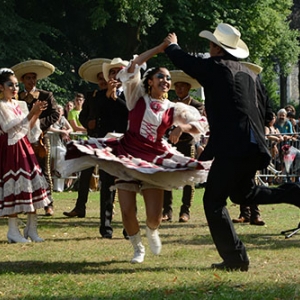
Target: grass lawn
76	263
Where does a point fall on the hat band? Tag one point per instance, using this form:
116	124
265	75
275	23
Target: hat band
228	46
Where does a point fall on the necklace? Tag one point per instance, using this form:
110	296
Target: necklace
155	99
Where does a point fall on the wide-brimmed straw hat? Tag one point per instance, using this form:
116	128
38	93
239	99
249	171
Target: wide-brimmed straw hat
253	67
180	76
41	68
117	62
228	38
90	69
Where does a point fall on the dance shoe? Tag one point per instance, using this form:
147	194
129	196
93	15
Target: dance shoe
241	266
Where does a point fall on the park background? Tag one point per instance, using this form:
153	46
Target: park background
70	32
75	263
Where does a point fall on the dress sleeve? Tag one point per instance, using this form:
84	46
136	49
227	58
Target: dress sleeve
14	122
187	114
132	85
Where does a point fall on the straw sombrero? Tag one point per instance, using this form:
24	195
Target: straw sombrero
253	67
90	69
41	68
228	38
180	76
117	62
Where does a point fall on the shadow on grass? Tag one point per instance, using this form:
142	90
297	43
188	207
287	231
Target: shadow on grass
201	290
26	267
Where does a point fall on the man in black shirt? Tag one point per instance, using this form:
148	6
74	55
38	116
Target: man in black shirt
103	111
237	107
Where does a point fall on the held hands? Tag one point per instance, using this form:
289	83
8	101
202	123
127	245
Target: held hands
171	38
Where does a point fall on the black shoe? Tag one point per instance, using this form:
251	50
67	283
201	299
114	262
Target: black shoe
107	235
106	232
242	266
125	234
73	213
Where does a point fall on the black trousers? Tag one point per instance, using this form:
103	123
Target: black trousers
83	190
234	178
106	197
249	212
188	192
106	202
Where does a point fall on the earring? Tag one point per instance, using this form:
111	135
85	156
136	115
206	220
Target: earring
149	90
165	96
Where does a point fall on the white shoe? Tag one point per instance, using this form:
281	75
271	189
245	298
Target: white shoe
154	240
139	249
31	229
138	256
13	234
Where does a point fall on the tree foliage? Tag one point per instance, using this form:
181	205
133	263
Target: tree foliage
68	33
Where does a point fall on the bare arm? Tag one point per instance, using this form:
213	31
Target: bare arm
145	56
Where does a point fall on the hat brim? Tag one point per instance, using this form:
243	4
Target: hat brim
90	69
41	68
180	76
107	66
253	67
241	50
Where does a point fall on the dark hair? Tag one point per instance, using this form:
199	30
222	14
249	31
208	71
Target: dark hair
79	95
5	74
149	75
291	115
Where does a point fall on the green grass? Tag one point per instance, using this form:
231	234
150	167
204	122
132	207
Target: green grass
76	263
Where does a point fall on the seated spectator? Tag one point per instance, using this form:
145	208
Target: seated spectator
68	106
73	116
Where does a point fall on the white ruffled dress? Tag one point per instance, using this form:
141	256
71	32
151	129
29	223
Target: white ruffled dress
142	154
22	184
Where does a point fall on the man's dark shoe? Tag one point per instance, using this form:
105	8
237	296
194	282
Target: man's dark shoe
73	213
125	234
258	222
183	218
242	266
106	232
107	235
241	220
166	218
49	211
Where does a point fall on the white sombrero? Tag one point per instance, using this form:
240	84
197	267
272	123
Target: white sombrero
253	67
41	68
228	38
117	62
90	69
180	76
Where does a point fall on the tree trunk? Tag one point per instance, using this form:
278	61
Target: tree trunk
283	91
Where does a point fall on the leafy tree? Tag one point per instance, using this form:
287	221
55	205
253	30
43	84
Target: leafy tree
68	33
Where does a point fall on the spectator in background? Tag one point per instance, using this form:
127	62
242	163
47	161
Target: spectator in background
104	111
182	84
73	116
68	106
92	72
29	72
62	130
250	213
